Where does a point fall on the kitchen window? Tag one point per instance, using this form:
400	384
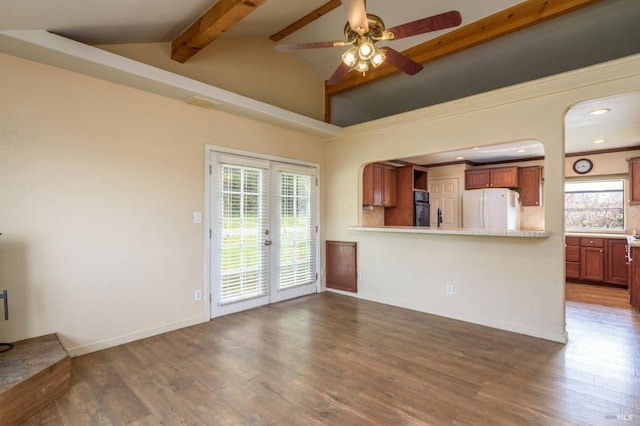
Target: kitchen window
594	205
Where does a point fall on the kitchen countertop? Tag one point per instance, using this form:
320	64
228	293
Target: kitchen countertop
451	231
594	235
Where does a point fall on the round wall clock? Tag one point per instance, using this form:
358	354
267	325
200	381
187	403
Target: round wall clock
582	166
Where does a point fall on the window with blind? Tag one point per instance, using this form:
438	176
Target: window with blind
244	219
297	236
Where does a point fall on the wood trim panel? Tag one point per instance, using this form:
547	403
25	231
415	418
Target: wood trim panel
223	15
342	265
518	17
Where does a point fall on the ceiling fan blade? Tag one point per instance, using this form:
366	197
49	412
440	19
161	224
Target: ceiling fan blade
356	15
309	45
425	25
338	74
401	62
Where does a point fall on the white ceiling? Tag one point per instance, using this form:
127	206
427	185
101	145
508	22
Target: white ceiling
128	21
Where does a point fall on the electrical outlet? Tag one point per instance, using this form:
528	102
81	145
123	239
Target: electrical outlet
450	289
198	296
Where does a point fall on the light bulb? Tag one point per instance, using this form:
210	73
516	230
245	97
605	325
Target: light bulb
362	66
349	57
365	49
378	58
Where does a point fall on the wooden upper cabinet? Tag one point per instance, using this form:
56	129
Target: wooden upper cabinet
530	180
634	180
379	185
367	185
504	177
498	177
476	179
389	187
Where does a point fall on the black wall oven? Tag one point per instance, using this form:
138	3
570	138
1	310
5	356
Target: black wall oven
421	208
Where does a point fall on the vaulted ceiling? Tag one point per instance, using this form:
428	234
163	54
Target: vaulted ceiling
499	43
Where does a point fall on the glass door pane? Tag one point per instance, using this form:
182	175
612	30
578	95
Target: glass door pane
294	261
241	272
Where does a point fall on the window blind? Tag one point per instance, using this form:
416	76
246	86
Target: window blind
244	221
298	231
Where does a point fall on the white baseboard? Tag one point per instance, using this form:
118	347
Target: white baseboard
560	337
126	338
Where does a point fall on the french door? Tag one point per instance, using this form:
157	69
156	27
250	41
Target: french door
264	233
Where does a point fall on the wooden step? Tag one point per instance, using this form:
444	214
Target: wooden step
33	374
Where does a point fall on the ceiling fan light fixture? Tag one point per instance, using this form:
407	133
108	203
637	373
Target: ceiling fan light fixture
362	66
366	49
350	57
378	58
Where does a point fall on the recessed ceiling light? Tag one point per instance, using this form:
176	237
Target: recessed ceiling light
600	111
459	158
522	150
599	141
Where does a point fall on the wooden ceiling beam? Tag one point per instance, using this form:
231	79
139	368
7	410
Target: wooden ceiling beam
222	16
306	20
518	17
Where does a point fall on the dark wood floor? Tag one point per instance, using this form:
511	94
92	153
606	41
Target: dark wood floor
332	359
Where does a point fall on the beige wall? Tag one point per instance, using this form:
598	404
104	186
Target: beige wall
98	185
249	67
515	284
99	182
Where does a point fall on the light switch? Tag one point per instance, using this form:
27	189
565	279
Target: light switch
197	217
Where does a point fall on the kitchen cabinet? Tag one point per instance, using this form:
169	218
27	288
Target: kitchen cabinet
497	177
530	181
592	264
634	181
572	257
379	185
616	268
596	260
634	277
408	180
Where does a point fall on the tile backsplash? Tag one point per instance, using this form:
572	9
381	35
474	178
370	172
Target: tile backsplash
633	218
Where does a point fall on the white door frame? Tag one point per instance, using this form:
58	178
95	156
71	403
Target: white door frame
207	231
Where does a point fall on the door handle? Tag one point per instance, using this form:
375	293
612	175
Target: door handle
4	296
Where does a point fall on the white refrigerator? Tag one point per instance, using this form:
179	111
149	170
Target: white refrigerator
496	209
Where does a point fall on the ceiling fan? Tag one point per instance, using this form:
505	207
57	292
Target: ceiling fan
362	31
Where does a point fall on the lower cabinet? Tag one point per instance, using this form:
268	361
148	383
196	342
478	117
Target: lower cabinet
634	278
596	260
572	257
592	264
617	270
